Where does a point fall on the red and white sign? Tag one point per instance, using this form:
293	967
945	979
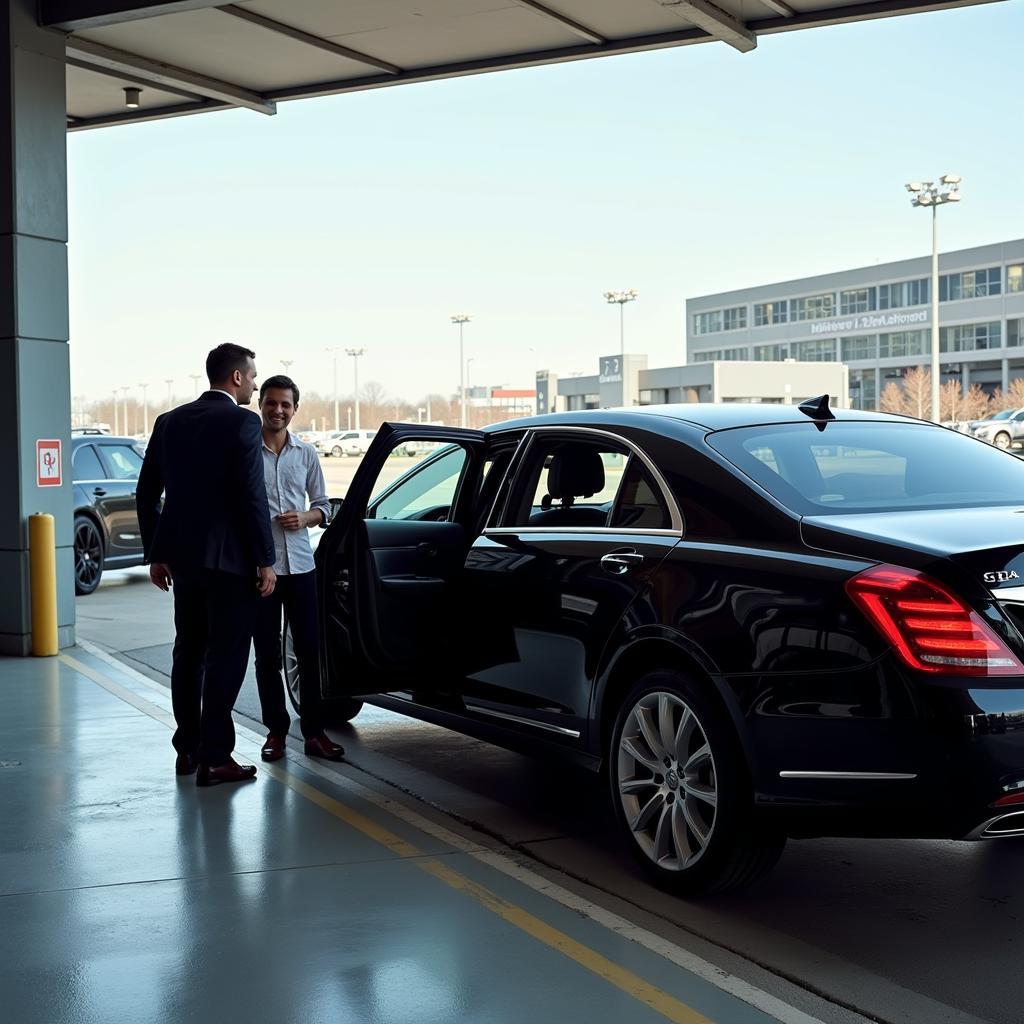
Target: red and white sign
48	463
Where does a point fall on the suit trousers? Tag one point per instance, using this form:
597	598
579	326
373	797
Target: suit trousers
295	593
214	618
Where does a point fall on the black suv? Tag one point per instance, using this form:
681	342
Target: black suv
757	621
105	472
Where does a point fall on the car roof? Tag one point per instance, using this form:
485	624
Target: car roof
80	439
709	415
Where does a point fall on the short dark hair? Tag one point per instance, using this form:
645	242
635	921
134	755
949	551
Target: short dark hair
280	381
223	360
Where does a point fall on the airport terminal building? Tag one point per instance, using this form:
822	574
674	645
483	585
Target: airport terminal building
877	320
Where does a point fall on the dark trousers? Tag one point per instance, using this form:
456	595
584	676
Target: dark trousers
214	617
296	595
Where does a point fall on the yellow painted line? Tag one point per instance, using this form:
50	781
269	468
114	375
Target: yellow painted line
656	999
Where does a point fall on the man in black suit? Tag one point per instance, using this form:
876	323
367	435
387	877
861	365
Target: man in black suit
212	541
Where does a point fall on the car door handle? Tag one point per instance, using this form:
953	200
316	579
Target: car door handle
426	549
618	563
98	491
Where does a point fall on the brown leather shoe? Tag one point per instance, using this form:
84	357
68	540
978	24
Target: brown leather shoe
229	771
273	749
321	746
185	764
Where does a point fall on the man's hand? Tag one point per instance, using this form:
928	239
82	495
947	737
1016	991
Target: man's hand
295	520
160	574
268	579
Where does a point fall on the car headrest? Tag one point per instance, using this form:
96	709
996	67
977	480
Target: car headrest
576	471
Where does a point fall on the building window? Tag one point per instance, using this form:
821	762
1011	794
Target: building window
1014	332
900	294
901	343
812	307
820	350
1015	278
734	319
707	357
766	313
970	337
858	300
865	347
863	393
971	284
735	354
771	353
707	323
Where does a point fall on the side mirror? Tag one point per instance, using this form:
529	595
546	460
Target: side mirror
336	504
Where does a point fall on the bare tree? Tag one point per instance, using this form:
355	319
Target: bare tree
893	399
1015	393
976	404
917	388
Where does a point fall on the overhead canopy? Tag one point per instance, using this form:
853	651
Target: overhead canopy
191	56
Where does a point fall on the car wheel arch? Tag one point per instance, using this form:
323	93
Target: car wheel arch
654	653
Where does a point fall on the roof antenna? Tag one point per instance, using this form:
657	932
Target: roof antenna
818	410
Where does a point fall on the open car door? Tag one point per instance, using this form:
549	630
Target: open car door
389	566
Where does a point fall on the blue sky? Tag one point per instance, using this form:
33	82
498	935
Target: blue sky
367	219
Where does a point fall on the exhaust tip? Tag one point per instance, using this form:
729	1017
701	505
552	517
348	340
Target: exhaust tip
1005	825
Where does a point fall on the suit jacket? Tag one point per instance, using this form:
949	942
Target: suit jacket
206	458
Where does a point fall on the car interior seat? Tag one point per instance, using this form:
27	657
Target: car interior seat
576	471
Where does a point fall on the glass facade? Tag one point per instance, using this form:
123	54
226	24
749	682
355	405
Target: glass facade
1015	278
900	294
820	350
1014	332
813	307
766	313
971	284
863	389
902	343
865	347
720	320
771	353
970	337
858	300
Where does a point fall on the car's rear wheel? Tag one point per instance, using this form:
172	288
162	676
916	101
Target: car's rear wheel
337	452
343	710
88	555
1002	440
682	792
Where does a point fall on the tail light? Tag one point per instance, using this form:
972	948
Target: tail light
930	627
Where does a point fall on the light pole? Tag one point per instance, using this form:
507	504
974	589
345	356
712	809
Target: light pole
419	414
117	422
355	353
169	381
196	378
927	193
461	319
621	298
286	363
124	389
145	409
334	353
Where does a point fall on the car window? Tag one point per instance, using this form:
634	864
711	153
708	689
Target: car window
86	465
427	492
872	467
640	505
567	482
124	462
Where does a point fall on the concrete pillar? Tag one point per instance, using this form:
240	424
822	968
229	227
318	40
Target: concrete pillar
33	311
1006	375
965	377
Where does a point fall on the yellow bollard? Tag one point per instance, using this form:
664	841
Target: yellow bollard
42	549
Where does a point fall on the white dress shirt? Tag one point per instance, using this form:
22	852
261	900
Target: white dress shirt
291	477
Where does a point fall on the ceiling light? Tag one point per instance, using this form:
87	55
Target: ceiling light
951	179
131	97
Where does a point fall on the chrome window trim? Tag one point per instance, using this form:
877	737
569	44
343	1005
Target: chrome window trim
675	515
628	530
882	776
561	730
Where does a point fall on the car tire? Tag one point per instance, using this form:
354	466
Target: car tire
88	546
682	792
335	711
1002	440
337	452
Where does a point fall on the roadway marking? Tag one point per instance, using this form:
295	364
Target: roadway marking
771	1005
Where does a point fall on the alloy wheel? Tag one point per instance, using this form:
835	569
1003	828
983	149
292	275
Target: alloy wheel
667	782
88	556
1002	440
290	664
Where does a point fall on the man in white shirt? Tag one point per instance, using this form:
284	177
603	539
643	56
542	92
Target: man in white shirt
292	473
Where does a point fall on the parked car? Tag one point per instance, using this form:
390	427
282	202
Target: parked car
758	622
104	473
1003	429
346	442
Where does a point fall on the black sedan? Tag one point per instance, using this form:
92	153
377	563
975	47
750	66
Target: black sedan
105	471
756	621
